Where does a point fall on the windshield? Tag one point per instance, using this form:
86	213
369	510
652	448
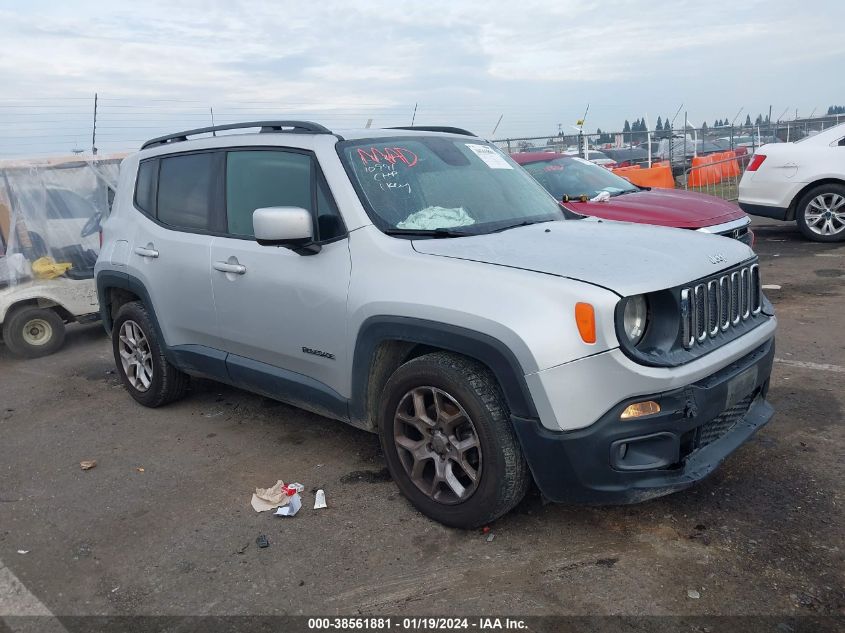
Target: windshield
430	183
575	177
829	135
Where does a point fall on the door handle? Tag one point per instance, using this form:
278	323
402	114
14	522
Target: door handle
228	267
146	251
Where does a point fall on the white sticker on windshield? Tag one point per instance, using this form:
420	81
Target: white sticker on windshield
491	157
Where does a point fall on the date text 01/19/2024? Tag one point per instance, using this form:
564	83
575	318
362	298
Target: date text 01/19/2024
416	624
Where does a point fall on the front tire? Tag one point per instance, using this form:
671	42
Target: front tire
448	441
31	332
820	213
140	361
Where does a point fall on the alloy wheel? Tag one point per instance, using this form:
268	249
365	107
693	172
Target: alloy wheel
438	445
135	355
825	214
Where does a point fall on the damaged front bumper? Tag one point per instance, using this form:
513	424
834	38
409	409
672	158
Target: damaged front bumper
625	461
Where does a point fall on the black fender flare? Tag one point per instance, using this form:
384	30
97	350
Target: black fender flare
482	347
108	279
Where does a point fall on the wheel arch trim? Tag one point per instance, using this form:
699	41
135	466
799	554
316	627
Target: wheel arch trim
108	279
792	213
481	347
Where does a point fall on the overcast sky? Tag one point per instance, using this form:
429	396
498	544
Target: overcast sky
159	66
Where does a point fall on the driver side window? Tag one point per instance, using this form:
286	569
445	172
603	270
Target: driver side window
269	178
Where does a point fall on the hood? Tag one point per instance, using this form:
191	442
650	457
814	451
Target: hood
626	258
664	207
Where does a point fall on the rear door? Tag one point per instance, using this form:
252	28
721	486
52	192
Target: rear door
180	197
282	310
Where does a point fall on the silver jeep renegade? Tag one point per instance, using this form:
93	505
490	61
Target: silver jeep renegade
417	283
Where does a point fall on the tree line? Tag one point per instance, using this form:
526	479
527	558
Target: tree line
637	130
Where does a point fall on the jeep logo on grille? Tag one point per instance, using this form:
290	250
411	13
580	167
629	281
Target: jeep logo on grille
718	258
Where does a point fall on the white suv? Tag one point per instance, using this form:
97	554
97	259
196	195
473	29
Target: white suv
419	284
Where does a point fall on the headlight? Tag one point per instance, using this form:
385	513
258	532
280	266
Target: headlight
635	318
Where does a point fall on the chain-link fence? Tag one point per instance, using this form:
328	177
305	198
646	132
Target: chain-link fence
710	160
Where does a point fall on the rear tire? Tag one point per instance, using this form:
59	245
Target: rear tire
140	361
443	418
31	332
820	213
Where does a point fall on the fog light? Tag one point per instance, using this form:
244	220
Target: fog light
639	409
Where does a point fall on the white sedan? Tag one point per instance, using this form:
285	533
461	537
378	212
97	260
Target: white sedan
802	181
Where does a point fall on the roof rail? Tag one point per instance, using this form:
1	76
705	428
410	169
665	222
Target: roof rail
298	127
433	128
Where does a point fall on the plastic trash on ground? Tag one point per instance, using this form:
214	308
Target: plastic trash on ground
292	507
279	494
320	500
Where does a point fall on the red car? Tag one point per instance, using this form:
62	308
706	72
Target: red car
576	182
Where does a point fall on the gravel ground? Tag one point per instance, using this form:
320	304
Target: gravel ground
163	525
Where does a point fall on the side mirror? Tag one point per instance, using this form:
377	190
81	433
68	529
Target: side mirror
291	227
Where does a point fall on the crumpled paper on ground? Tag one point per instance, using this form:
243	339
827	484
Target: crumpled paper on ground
265	499
436	218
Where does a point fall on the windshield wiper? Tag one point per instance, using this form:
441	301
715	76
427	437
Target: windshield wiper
439	232
518	224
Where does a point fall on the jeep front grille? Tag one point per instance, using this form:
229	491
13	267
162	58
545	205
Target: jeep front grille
720	303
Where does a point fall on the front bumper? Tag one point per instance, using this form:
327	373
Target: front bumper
739	229
625	461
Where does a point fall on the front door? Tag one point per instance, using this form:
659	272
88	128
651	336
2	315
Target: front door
278	310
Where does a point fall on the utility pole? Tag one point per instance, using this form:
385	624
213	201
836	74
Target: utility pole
211	110
732	126
94	129
770	121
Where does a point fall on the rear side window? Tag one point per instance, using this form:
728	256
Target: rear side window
185	191
145	187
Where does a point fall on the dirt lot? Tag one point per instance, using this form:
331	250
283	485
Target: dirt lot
163	524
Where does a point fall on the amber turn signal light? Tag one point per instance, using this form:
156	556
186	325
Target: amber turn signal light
639	409
585	318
